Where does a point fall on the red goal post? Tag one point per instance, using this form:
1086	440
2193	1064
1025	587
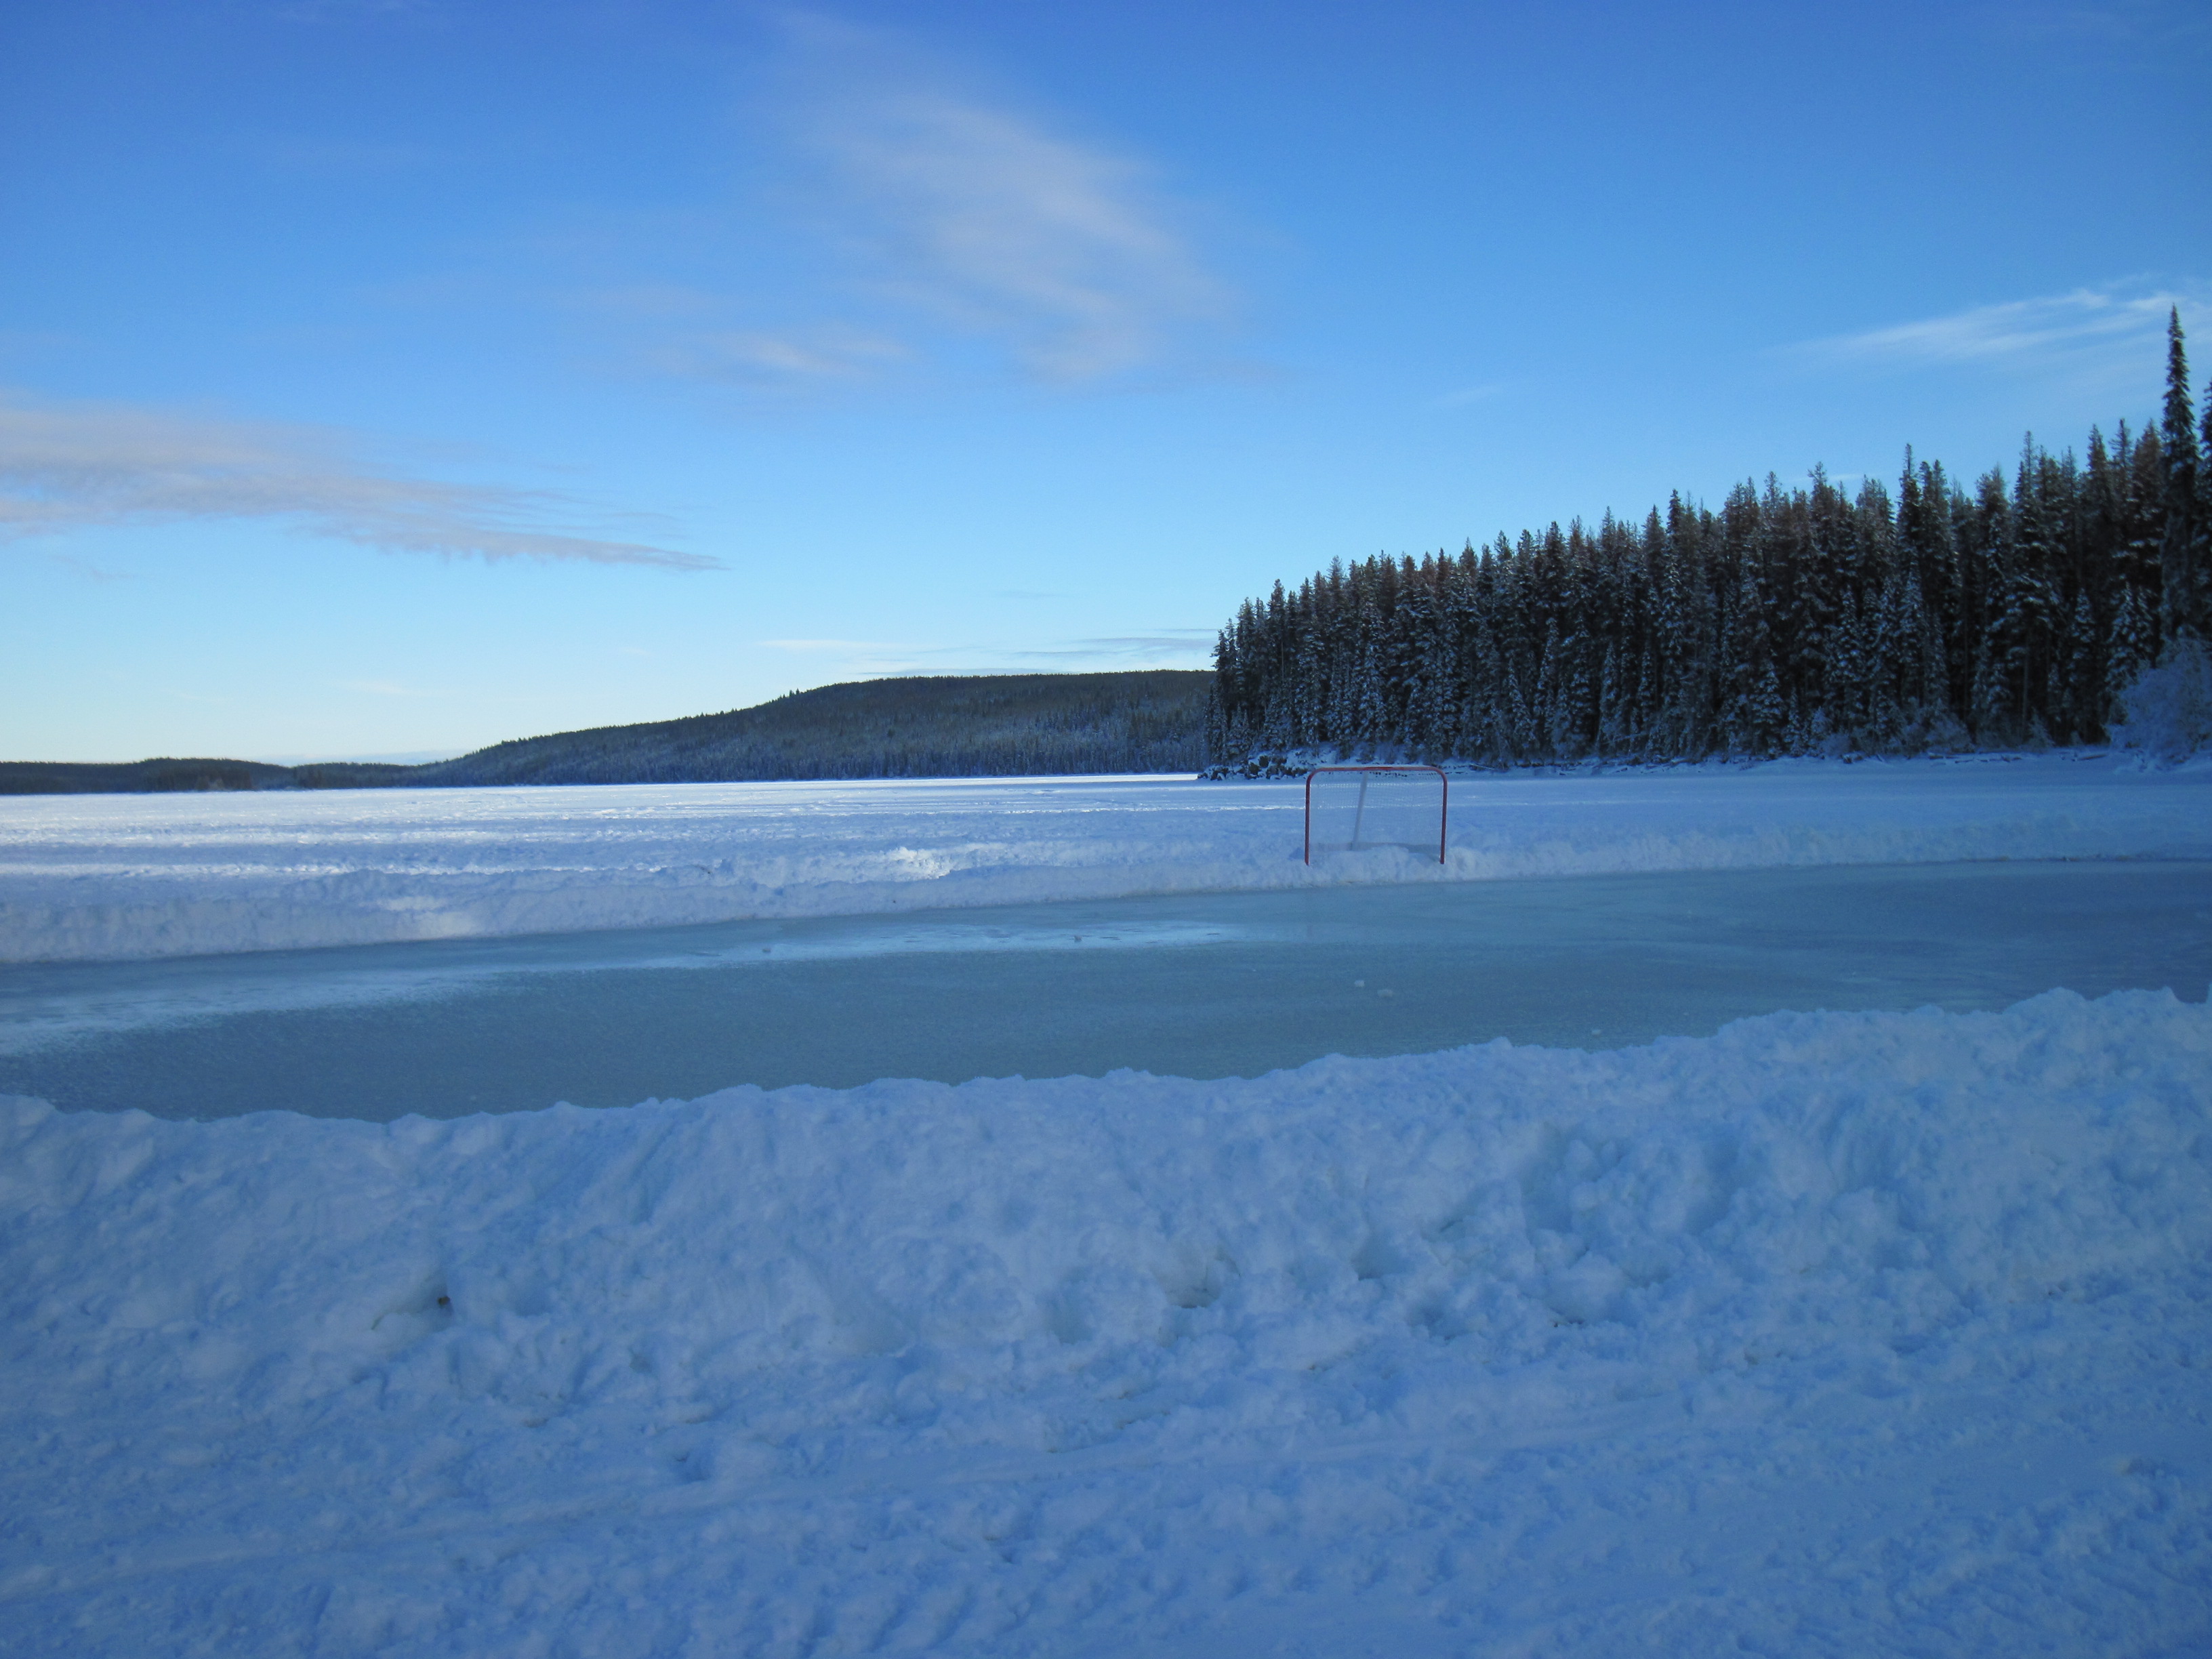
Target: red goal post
1401	816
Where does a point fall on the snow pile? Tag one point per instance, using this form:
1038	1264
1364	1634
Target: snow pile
85	877
1829	1333
2169	708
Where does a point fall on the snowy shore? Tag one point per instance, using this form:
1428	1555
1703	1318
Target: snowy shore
1831	1334
114	877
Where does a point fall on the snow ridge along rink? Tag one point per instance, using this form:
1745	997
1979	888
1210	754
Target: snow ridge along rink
1831	1333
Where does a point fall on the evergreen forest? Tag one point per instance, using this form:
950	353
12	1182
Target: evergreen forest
1807	619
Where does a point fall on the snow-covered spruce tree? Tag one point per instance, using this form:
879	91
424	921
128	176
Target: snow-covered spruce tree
1797	617
2166	701
2200	562
2178	435
2168	710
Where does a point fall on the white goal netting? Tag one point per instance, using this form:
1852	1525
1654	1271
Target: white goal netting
1350	809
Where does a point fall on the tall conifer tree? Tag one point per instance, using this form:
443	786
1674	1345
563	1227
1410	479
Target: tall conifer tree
2178	438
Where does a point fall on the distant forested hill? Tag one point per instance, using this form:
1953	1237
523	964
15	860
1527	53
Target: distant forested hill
965	726
986	726
138	777
1795	620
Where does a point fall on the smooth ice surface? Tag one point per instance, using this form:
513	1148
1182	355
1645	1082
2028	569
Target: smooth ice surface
1199	985
105	877
1830	1334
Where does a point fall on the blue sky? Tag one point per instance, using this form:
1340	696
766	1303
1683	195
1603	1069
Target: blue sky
391	378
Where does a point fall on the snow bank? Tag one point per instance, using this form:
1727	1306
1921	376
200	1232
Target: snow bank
2169	708
1831	1333
85	877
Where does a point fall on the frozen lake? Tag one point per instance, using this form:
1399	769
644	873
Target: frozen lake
1192	985
1747	1337
108	877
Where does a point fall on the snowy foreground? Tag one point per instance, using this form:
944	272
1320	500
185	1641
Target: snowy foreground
1830	1334
110	877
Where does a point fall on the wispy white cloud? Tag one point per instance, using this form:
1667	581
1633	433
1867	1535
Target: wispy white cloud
1169	644
2138	24
1472	394
878	658
67	467
826	352
944	207
2088	323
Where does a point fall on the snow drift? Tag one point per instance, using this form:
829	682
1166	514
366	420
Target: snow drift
1756	1337
2169	706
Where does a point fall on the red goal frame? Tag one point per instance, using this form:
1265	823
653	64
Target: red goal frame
1443	805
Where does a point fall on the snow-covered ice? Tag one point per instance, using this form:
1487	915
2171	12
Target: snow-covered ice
1829	1333
103	877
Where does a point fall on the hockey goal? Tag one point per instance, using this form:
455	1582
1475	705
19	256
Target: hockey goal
1352	808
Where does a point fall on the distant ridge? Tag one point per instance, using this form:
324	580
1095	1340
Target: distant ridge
144	777
936	726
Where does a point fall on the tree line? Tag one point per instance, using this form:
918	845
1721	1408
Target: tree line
1799	620
164	776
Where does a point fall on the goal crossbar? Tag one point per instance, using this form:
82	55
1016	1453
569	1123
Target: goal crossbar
1367	775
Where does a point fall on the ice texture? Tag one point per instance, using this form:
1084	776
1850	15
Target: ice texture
113	877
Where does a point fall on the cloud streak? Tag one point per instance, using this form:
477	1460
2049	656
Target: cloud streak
1168	644
2140	23
2037	333
76	466
882	659
827	353
982	218
1471	394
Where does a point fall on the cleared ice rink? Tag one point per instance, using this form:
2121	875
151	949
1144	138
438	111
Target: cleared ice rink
372	954
1199	986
